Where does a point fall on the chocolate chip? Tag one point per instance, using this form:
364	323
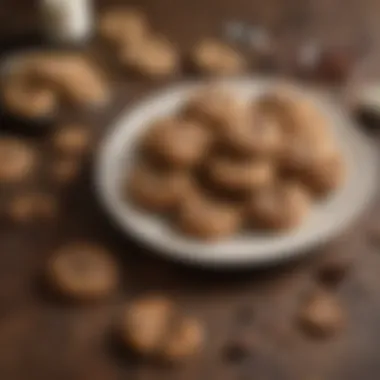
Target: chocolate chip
333	270
237	351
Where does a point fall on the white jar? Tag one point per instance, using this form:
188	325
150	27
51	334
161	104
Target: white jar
67	21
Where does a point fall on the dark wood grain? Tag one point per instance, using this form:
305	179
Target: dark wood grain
41	338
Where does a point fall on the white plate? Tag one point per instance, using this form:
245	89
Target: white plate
326	220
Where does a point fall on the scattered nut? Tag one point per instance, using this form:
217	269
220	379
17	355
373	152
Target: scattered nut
83	271
123	25
213	57
322	315
333	269
29	101
153	326
72	139
154	58
17	159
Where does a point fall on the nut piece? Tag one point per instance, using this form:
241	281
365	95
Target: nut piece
34	206
206	218
213	57
72	139
153	326
28	100
157	190
146	324
17	159
153	58
186	340
83	271
123	25
322	315
178	142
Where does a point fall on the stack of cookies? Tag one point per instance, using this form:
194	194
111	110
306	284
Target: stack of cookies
221	165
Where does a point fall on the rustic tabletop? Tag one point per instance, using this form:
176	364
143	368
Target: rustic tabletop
41	338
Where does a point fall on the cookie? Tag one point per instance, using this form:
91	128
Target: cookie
296	115
153	326
213	57
153	58
280	207
186	340
301	153
145	324
123	25
81	83
83	271
71	139
25	99
156	189
204	218
216	108
322	315
326	176
30	207
17	159
240	175
76	78
177	142
256	135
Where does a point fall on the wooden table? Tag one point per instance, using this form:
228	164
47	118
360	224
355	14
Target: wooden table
41	338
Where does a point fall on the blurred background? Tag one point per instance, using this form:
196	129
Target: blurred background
250	316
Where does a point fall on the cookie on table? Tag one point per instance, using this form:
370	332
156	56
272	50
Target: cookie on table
215	108
177	142
237	175
83	272
18	160
154	326
81	82
156	189
321	315
71	139
75	77
280	207
24	97
122	25
213	57
154	58
203	217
